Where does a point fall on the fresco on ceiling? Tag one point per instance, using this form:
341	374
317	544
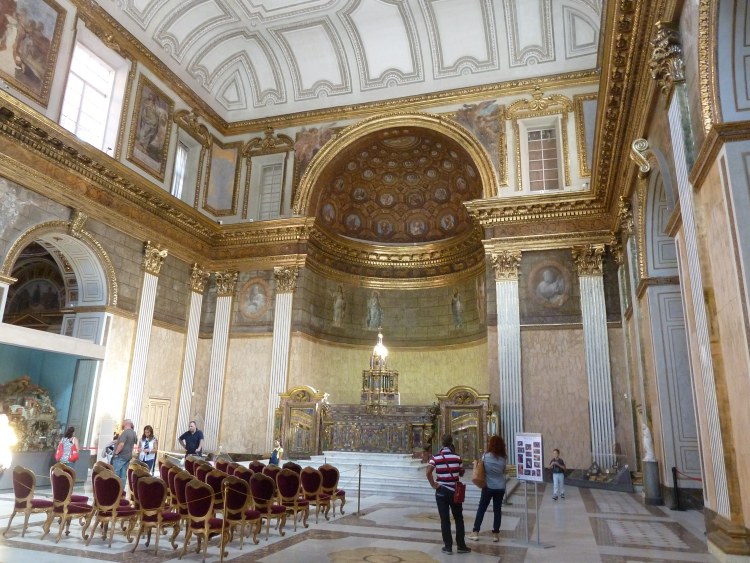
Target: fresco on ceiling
485	121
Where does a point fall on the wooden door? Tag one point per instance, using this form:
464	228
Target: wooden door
157	415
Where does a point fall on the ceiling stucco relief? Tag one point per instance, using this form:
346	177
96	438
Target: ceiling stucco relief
343	53
401	185
192	22
454	51
384	59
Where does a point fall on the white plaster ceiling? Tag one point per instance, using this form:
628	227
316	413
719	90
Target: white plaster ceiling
252	59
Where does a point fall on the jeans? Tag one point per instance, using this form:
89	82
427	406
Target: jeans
120	465
150	463
445	504
496	495
558	484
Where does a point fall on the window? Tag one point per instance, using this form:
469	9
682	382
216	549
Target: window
180	167
270	191
544	169
87	97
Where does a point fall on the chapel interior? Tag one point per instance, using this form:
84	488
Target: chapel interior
358	225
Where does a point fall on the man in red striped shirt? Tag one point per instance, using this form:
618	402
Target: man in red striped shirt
443	472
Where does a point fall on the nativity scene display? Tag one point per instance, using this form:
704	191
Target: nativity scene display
31	413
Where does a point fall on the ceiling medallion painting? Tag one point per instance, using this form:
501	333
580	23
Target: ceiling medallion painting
399	186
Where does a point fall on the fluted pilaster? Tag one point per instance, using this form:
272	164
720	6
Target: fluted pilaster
225	283
596	343
198	279
505	267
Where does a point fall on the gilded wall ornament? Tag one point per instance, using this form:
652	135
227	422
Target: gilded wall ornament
286	278
625	216
589	259
615	246
270	143
198	279
188	120
225	283
667	64
153	257
505	264
77	222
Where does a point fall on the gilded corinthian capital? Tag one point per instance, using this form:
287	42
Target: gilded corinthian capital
225	283
505	264
625	216
588	258
153	258
667	63
286	278
198	279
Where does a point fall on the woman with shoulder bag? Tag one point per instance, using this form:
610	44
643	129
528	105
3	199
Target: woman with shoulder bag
149	446
67	449
494	468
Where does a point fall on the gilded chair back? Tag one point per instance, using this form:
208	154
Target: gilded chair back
271	471
201	470
312	490
201	520
237	511
24	485
190	464
222	464
243	473
330	486
152	494
288	486
214	479
63	507
180	483
256	466
263	490
296	467
107	506
72	472
231	467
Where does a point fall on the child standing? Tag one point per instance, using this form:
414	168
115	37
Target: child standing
558	475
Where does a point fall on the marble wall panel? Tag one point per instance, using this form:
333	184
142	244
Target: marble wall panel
555	392
246	384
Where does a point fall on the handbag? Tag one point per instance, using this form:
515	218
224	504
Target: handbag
460	494
59	452
480	477
73	453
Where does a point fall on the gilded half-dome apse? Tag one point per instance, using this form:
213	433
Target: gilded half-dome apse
398	186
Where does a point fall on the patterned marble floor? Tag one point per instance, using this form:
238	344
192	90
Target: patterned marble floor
587	526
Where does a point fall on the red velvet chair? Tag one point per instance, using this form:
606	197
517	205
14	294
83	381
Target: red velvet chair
312	491
201	470
63	508
287	484
222	464
214	479
231	467
201	520
296	467
263	490
237	511
190	464
73	497
153	514
256	466
107	508
24	484
243	473
330	486
271	471
180	485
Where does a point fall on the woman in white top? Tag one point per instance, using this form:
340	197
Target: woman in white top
149	447
494	489
68	441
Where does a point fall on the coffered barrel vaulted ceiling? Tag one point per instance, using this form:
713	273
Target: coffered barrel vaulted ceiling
257	59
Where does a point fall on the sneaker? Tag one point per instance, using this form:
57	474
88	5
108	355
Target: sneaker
463	549
562	495
474	536
448	550
554	498
495	537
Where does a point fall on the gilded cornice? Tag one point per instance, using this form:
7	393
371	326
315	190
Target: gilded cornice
667	64
276	231
546	241
524	209
270	143
505	264
329	253
7	280
285	278
719	135
198	279
76	223
153	257
225	283
589	259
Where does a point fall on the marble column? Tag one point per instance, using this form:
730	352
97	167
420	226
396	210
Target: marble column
225	284
505	267
596	343
153	258
667	69
198	280
286	282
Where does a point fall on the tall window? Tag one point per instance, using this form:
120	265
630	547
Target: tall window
544	167
180	166
88	95
270	192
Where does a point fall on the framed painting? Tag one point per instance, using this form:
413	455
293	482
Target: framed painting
150	128
30	33
223	179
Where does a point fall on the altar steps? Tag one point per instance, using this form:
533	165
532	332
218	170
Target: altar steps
399	475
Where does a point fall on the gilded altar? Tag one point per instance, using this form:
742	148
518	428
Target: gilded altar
397	429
